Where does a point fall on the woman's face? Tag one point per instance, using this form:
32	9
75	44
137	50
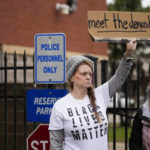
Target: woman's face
83	76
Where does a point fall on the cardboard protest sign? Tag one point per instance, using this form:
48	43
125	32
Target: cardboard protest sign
119	26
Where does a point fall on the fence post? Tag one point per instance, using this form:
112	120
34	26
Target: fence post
6	104
138	83
104	71
114	111
126	114
15	97
24	76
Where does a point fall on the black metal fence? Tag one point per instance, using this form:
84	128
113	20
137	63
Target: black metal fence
14	127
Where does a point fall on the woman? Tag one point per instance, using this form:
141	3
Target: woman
80	118
140	134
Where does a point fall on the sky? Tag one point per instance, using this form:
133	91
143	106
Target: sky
145	3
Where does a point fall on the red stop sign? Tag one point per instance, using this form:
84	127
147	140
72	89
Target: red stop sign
39	138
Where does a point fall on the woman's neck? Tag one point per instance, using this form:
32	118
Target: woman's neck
79	93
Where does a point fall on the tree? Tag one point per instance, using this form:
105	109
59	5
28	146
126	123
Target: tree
117	49
125	5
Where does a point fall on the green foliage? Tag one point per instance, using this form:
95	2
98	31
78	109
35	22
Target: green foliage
116	50
120	133
125	5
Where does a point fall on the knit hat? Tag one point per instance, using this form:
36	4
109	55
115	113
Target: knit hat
73	63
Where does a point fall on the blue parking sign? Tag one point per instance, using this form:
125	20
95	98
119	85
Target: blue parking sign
40	103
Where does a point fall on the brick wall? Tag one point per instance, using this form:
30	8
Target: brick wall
22	19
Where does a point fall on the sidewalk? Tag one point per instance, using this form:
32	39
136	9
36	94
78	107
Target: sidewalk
119	146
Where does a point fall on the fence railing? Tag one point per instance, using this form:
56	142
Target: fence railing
14	127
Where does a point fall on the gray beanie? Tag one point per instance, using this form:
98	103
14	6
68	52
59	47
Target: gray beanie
73	63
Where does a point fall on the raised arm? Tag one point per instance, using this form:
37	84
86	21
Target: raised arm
116	82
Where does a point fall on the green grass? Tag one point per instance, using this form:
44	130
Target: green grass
120	133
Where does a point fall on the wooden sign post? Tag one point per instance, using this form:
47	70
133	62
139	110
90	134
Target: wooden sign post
119	26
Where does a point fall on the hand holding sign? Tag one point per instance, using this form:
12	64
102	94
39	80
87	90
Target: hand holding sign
119	26
130	49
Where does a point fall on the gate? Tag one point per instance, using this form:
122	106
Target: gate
14	127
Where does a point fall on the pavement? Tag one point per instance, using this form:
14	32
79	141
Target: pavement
119	146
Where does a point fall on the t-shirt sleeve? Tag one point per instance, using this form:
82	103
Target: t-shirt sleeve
103	91
56	118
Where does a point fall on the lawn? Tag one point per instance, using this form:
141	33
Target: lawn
120	133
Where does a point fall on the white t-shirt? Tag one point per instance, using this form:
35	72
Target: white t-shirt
76	117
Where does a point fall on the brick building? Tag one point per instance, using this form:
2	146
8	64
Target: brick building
21	20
